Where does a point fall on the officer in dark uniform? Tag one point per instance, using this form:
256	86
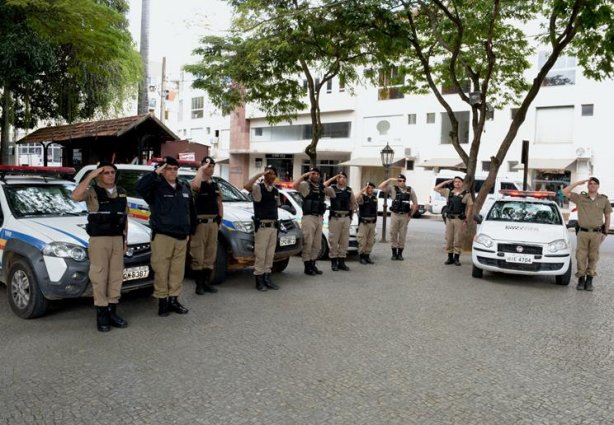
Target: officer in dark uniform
209	213
404	206
594	211
172	221
266	201
107	225
314	193
367	217
340	217
458	209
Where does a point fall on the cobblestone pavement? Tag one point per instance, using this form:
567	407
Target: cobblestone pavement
411	342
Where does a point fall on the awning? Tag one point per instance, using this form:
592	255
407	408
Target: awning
372	162
442	163
546	164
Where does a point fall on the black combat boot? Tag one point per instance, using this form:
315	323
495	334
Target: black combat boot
114	319
363	258
173	305
341	265
581	283
368	259
315	268
334	264
589	283
260	282
102	319
450	259
457	260
163	307
205	277
308	270
400	254
268	282
198	280
394	254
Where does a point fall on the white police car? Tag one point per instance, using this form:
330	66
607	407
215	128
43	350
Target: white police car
43	242
523	233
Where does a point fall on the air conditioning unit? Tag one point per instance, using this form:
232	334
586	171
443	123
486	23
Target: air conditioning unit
584	152
407	152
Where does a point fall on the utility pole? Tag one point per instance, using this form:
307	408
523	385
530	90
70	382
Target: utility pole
143	101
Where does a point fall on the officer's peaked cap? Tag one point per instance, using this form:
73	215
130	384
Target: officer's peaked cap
342	173
594	179
106	164
401	176
207	160
270	167
459	177
371	184
169	160
316	169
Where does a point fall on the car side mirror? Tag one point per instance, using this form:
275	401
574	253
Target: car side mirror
289	209
478	218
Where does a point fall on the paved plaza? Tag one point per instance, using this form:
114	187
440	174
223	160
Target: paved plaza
412	342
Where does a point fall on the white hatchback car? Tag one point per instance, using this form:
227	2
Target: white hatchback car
523	233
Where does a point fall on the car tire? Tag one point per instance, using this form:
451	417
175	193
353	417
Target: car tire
24	295
323	249
564	279
477	272
221	265
280	266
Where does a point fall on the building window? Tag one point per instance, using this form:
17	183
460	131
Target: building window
333	130
411	119
208	130
511	165
180	111
451	88
409	165
513	112
258	131
391	84
485	165
463	127
198	107
430	118
329	86
554	124
587	110
563	72
305	85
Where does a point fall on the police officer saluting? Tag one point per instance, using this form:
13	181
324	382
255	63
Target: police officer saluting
209	213
266	202
172	220
594	212
313	192
367	216
342	206
107	225
401	212
458	209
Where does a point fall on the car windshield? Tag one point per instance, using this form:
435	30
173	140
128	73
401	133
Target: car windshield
525	212
43	200
229	192
297	197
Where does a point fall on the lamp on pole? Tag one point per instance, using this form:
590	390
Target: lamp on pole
387	154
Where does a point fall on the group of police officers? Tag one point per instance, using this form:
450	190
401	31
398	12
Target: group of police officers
190	215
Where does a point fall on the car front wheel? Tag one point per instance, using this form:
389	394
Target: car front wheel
280	266
25	297
564	279
477	272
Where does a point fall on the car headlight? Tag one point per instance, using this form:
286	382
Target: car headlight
558	245
65	250
244	226
482	239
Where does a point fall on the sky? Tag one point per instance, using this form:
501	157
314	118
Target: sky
175	28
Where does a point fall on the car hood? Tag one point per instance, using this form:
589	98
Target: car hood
523	232
69	229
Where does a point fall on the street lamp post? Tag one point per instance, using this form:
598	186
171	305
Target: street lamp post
387	154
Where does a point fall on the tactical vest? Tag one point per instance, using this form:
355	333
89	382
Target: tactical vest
455	203
266	209
341	201
400	204
110	219
313	204
206	200
368	208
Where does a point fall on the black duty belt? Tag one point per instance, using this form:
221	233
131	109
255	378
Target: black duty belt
455	216
266	225
205	220
595	229
340	214
367	220
401	213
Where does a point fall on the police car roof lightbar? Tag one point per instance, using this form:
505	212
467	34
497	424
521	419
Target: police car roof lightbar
182	162
543	194
22	170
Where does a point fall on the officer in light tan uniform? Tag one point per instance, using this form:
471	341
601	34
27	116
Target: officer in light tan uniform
209	213
342	207
107	225
594	212
404	205
266	202
459	207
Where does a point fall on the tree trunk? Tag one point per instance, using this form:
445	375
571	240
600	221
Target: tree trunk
143	101
6	125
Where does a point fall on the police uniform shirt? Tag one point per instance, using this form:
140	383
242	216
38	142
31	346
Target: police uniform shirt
218	196
590	211
392	191
466	199
303	188
257	194
91	198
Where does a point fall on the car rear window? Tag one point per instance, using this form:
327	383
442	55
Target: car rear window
525	212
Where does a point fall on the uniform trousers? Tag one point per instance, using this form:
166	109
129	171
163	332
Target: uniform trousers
365	237
587	253
338	236
106	268
168	263
203	246
398	229
264	248
454	235
311	226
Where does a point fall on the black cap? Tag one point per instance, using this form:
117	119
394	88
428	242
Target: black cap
169	160
206	160
401	176
594	179
342	173
371	184
458	177
106	164
316	169
270	167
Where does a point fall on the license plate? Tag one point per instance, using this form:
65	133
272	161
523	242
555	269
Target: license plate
287	240
133	273
522	259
